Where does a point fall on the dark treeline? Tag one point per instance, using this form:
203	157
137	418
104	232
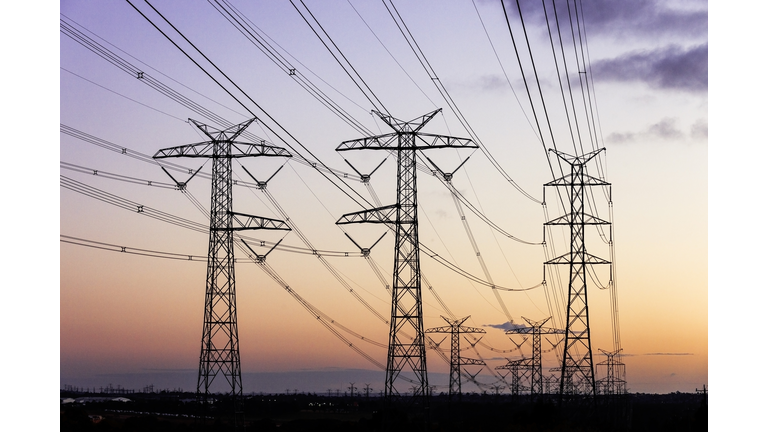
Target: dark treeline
679	412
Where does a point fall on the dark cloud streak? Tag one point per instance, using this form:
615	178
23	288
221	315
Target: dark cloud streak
644	18
668	68
505	326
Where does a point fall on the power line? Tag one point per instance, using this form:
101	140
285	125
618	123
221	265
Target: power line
447	97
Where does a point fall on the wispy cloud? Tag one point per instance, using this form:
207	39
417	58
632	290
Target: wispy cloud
699	130
668	354
665	129
668	68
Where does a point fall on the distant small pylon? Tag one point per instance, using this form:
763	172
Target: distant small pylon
455	328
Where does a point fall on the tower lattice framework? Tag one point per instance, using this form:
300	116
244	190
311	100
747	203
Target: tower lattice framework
455	329
577	374
406	335
220	347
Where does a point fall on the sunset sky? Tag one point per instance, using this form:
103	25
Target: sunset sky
133	316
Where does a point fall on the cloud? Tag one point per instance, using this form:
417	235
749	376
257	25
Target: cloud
485	83
699	130
668	68
649	18
493	83
505	326
668	354
665	129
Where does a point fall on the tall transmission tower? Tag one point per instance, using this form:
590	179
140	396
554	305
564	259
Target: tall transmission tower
455	328
406	334
536	329
220	347
577	374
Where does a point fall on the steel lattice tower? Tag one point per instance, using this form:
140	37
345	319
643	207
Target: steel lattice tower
406	334
220	348
536	329
455	328
577	375
614	383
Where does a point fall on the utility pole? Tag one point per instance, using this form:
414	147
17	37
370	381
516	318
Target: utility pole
455	328
220	347
577	374
536	329
406	334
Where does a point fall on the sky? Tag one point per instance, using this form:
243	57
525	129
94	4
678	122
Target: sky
136	318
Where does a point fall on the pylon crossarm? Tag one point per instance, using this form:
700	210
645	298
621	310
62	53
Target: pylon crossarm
470	362
431	141
464	329
378	142
571	258
571	218
386	214
581	180
242	221
242	149
203	149
529	330
206	150
391	141
444	329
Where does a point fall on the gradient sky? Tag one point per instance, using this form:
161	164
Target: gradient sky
123	313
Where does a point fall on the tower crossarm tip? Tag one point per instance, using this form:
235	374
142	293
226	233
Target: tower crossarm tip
242	221
228	134
432	141
377	142
469	362
577	160
201	150
386	214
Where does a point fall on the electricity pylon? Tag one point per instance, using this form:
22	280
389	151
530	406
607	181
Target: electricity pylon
455	328
534	362
614	383
406	334
577	374
519	369
220	348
